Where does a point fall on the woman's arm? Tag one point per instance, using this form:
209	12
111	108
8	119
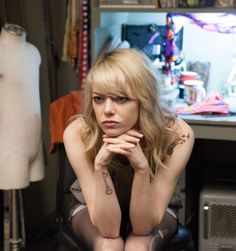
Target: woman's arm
95	182
142	211
149	200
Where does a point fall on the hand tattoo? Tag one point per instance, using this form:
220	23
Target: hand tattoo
108	189
180	140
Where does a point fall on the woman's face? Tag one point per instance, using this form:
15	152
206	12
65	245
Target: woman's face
115	114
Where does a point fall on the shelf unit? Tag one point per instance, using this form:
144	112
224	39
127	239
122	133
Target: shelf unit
204	127
133	4
98	38
100	7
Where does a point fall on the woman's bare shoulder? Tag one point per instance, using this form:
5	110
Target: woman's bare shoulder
73	129
182	134
179	145
184	128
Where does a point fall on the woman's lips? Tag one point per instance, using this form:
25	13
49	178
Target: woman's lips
110	123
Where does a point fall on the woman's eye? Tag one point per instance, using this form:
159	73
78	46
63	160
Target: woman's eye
98	99
121	99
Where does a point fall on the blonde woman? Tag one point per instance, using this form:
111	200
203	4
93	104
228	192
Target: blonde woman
128	154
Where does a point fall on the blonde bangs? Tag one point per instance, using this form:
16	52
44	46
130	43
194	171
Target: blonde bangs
109	79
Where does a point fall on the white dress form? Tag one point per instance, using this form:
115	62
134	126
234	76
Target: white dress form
21	155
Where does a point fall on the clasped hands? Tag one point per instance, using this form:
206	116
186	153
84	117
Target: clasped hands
126	144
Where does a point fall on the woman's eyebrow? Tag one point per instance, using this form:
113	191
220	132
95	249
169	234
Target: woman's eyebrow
96	93
111	95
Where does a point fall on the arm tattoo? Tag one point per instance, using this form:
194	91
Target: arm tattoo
180	140
108	189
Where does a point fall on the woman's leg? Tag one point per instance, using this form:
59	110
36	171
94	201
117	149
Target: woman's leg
89	235
157	239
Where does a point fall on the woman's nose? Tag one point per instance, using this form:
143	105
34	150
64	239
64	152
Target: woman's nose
109	107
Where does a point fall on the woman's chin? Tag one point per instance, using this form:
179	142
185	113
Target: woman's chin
113	133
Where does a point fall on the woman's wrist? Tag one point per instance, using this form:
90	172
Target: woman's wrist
142	169
99	165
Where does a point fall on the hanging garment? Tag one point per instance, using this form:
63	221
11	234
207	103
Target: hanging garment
61	111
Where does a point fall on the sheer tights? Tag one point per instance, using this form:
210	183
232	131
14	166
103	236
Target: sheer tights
93	241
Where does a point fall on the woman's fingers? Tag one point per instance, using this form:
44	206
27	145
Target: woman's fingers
131	136
134	133
130	133
123	143
121	139
120	149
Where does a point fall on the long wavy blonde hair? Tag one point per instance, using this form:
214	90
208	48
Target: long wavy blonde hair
111	74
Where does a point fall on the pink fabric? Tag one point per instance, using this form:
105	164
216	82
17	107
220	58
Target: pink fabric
211	104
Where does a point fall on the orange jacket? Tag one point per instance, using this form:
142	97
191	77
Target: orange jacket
61	111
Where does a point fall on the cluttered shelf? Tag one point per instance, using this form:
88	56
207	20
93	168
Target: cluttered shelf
210	119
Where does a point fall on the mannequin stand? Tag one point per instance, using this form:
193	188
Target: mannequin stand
23	141
17	236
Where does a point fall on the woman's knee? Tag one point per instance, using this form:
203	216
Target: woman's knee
140	243
108	244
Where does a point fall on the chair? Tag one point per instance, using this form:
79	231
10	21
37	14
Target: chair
182	241
64	239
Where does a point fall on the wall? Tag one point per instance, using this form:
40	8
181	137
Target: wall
217	48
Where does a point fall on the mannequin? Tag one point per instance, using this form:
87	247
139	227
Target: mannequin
21	156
